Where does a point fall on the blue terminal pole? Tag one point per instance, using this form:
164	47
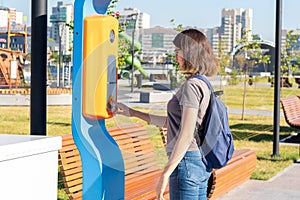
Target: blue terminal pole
38	67
102	162
276	123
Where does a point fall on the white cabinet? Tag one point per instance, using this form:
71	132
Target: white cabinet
28	167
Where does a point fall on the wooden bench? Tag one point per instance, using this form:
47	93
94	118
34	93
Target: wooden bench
141	168
291	110
238	170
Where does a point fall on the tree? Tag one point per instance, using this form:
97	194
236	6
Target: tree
287	55
265	59
224	61
253	56
124	46
223	58
178	27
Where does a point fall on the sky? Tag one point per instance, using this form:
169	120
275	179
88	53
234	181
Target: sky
198	13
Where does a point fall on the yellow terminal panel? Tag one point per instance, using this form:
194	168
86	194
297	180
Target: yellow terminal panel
100	51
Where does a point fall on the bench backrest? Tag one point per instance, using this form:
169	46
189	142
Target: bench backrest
70	167
137	151
291	110
136	147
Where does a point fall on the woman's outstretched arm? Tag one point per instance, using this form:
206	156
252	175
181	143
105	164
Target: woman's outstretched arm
160	121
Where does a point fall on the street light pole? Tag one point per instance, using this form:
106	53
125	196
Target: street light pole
134	16
132	60
59	53
38	67
276	120
59	19
61	29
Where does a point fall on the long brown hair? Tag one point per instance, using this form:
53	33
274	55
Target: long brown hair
197	54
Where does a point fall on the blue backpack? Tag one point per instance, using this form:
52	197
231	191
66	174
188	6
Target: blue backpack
213	136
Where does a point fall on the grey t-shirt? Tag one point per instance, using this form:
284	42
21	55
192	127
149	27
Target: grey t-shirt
192	93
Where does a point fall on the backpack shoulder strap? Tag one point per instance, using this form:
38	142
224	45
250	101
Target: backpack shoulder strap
203	78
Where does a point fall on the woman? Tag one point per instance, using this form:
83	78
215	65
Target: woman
187	173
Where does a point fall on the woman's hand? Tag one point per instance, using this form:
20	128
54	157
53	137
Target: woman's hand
161	187
182	144
124	110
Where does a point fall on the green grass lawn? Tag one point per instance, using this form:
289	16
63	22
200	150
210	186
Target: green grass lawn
255	132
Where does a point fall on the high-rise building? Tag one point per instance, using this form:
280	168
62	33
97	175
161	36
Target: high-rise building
15	17
212	35
157	42
134	17
61	15
3	16
235	22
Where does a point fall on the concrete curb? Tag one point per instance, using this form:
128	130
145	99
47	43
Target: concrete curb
24	100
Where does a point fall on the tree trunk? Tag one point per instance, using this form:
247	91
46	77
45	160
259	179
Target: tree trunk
244	96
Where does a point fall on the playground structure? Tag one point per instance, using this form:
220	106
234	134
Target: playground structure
11	68
12	60
124	72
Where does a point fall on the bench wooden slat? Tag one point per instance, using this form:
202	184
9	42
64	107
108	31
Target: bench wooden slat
136	147
68	148
137	176
68	172
70	160
76	196
128	154
146	162
144	188
74	189
70	165
138	169
75	184
73	177
65	155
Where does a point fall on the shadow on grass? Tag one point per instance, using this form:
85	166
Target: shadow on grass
62	195
60	184
256	132
59	123
280	159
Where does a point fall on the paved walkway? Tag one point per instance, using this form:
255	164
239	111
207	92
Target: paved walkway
284	186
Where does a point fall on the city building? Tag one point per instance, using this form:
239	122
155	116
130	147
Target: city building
213	36
3	16
16	18
234	23
134	20
61	15
157	42
9	16
16	42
